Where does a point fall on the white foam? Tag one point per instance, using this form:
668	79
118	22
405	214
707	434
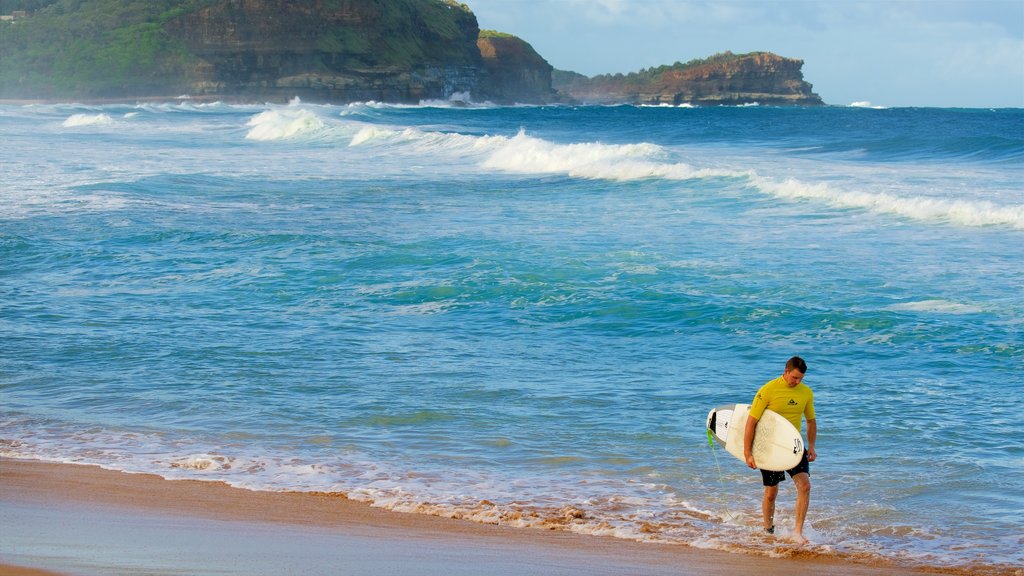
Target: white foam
526	154
78	120
865	104
204	462
460	148
456	100
631	510
621	162
40	198
283	124
936	306
978	213
370	134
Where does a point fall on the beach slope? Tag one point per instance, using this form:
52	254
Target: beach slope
85	520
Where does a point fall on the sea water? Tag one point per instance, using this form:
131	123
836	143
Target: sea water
522	315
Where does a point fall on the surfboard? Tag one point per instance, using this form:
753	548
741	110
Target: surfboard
777	443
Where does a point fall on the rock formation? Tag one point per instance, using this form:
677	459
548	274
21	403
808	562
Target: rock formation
515	72
336	51
723	79
332	50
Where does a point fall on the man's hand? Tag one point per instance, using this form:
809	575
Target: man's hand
812	435
750	460
748	441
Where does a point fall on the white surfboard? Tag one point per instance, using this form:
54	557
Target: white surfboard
777	443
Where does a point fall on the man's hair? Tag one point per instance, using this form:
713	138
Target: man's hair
798	363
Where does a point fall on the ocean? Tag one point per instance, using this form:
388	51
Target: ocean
522	315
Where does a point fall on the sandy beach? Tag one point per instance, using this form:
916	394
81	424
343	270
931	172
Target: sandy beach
72	519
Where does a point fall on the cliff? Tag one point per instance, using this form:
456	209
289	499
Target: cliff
320	50
723	79
334	51
515	71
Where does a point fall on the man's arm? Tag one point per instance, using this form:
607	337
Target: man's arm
812	435
748	440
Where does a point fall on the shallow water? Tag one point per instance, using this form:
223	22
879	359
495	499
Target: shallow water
523	315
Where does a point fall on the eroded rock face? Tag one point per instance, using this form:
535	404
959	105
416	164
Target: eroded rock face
341	51
516	73
332	50
760	77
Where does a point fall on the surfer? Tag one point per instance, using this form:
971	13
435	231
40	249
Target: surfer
793	399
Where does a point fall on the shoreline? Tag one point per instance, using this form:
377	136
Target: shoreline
156	509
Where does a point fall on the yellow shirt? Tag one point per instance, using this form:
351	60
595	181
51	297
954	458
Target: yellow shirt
791	403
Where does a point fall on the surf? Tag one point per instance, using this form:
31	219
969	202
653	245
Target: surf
529	155
508	315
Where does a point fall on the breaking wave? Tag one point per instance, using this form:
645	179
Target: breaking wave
77	120
526	154
284	124
962	212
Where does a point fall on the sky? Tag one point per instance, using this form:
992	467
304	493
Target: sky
941	53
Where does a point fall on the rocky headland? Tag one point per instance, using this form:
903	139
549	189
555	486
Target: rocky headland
334	51
723	79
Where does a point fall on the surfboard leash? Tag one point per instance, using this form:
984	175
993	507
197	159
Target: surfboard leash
721	477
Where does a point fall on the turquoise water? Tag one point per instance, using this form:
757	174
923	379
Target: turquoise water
523	315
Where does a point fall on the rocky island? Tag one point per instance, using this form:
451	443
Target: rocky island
334	51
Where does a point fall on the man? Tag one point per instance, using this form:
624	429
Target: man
792	399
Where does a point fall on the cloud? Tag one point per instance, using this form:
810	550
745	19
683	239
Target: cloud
602	12
898	52
811	15
634	13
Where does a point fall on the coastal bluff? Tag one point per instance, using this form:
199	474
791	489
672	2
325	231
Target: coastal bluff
334	51
723	79
402	51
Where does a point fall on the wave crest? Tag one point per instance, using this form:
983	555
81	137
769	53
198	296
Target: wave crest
526	154
283	124
966	213
529	155
77	120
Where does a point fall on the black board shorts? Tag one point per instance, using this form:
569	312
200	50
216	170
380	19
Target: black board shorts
772	478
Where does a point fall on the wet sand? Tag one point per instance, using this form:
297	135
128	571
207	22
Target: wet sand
84	520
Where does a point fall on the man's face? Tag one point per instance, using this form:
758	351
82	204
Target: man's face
793	377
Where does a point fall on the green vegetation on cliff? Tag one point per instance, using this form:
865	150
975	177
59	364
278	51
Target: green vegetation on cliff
495	34
94	48
334	51
564	80
405	34
101	48
722	79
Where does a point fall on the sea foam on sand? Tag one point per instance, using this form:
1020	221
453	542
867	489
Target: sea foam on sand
75	518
